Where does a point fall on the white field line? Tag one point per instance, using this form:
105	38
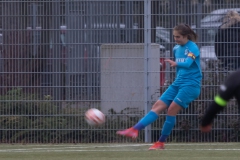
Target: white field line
125	144
87	148
59	150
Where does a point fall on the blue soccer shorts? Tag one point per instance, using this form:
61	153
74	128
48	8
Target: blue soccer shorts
182	95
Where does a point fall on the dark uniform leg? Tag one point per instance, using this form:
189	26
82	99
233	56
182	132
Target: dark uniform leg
231	87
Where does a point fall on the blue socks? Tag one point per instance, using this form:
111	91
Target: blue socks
167	127
151	117
146	120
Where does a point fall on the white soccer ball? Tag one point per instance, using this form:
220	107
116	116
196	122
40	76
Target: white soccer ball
94	117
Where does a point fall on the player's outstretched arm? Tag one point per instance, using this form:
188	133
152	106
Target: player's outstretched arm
216	106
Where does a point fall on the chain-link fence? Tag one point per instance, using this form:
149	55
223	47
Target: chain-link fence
60	58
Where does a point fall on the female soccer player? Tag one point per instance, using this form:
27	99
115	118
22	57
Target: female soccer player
230	89
184	89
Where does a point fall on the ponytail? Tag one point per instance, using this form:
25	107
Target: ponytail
186	30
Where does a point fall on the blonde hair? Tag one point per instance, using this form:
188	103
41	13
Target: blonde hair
232	17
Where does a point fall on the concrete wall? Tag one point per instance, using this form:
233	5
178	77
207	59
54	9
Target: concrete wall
122	76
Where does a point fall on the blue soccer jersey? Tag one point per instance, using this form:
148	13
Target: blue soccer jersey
188	70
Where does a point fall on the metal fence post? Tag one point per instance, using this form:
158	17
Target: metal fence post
198	23
147	51
57	75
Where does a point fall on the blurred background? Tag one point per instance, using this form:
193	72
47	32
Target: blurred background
59	58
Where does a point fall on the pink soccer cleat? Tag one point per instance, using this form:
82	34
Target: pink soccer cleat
131	133
157	146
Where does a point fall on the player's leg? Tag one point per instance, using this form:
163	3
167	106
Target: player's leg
152	115
149	118
185	95
230	86
168	126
